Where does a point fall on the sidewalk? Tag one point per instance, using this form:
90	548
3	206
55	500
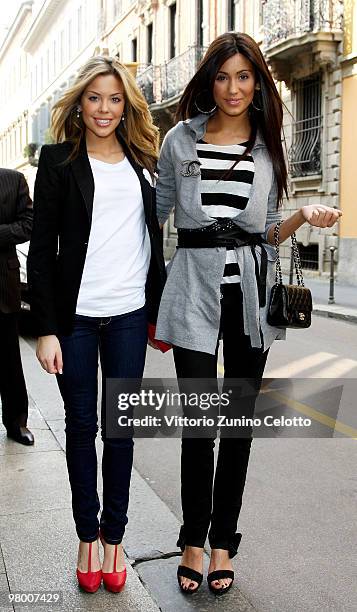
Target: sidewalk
345	306
38	543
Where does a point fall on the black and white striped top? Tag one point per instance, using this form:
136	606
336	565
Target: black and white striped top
227	197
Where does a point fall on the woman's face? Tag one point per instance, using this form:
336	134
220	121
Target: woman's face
102	104
234	85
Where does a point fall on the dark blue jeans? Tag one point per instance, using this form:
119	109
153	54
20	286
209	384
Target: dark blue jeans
121	343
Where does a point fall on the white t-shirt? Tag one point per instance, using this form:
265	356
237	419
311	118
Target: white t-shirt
118	254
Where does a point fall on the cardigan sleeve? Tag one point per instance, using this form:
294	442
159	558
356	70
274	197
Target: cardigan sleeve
273	212
41	261
166	185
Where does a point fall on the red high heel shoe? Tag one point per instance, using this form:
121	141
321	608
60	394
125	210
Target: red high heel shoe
113	581
89	581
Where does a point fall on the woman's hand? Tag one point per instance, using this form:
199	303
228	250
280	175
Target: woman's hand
49	354
320	215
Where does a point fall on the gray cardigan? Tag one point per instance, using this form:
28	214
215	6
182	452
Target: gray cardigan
189	314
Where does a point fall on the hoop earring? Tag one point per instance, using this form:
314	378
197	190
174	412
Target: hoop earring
203	111
256	107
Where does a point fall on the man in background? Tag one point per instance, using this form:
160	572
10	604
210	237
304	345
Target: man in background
15	227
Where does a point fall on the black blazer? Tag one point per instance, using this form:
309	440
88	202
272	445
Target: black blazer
63	203
15	227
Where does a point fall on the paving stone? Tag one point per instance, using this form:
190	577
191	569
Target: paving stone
152	529
51	538
41	386
32	481
159	577
57	428
2	566
5	605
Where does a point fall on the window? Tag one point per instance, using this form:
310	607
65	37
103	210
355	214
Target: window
261	12
54	58
41	74
85	19
70	39
309	256
48	65
79	27
231	15
134	50
62	48
118	8
199	13
149	43
172	13
305	151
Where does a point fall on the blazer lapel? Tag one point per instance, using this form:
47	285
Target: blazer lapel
83	174
84	177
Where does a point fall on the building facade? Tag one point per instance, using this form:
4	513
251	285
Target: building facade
45	46
15	98
310	46
303	44
347	268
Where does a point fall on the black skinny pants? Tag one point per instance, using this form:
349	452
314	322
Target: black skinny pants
213	502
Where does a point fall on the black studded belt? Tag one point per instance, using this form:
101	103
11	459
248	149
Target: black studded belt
226	233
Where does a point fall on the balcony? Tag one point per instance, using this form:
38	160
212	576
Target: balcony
163	85
176	73
145	80
301	27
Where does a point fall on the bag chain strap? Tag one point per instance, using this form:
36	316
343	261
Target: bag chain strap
296	257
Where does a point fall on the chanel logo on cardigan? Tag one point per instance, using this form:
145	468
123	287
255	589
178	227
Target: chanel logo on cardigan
191	168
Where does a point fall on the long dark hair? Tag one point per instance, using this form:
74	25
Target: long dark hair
268	120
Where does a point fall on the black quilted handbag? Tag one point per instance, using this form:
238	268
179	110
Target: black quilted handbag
290	305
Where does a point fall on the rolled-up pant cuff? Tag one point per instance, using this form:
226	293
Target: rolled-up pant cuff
111	540
85	538
230	544
189	540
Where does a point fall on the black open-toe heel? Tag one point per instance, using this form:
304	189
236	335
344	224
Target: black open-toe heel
219	575
191	574
187	572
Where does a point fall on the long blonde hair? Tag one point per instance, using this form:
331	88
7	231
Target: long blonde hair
139	132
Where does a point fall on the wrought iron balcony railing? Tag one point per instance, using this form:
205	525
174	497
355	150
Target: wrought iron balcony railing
145	80
176	73
285	18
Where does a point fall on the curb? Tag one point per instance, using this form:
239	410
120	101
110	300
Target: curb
343	314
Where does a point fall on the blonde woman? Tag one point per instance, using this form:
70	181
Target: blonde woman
96	273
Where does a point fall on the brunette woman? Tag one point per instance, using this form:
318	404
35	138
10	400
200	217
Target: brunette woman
96	273
223	167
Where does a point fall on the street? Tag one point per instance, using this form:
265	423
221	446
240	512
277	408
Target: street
298	551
